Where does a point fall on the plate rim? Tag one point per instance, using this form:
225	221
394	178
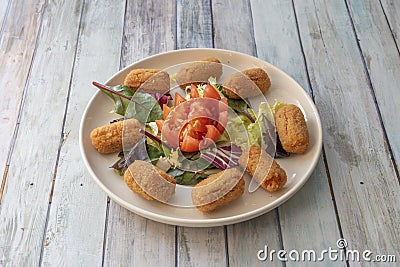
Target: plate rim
208	222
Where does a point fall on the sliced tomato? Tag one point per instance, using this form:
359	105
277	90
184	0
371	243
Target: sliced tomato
160	124
223	115
212	132
166	111
190	144
194	93
211	92
178	99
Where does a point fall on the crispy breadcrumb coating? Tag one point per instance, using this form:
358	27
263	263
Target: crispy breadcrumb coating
148	81
248	83
218	190
149	182
292	129
108	138
263	168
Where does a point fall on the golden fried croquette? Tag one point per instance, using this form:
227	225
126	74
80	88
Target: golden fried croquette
149	182
218	190
116	136
263	168
292	129
248	83
148	81
199	72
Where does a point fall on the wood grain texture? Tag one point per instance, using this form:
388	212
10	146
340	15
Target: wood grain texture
232	25
198	246
17	46
201	246
133	240
194	24
75	231
392	12
4	6
383	63
311	209
234	31
26	198
364	182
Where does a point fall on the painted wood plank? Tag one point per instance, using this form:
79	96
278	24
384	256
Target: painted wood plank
198	246
392	12
201	246
311	209
233	30
233	27
364	181
75	231
17	45
194	24
26	196
131	239
383	63
4	5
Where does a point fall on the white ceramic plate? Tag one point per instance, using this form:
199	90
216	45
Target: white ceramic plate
250	205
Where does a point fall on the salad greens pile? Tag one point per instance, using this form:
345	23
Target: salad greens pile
189	168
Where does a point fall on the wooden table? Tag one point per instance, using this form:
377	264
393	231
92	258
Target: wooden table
344	53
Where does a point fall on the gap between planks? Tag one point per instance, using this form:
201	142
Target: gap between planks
22	102
62	137
371	87
323	149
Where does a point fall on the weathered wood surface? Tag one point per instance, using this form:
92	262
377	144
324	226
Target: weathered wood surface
133	240
17	45
76	222
198	246
233	30
29	181
382	59
310	210
364	181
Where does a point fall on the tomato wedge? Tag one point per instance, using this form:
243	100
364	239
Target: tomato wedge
166	111
178	99
160	124
211	92
190	144
194	93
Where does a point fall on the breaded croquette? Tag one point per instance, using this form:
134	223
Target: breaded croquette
218	190
149	182
199	72
148	81
292	129
117	136
248	83
263	168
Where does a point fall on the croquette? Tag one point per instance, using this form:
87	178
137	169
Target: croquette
263	168
248	83
292	129
218	190
149	182
199	72
117	136
148	81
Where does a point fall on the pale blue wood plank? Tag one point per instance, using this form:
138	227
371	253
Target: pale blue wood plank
311	209
364	181
133	240
382	60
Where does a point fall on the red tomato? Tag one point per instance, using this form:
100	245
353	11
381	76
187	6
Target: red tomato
194	93
190	144
196	123
178	99
166	111
160	124
211	92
